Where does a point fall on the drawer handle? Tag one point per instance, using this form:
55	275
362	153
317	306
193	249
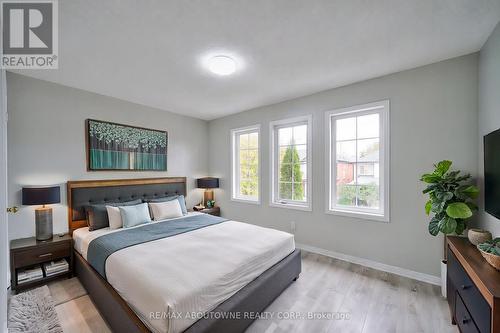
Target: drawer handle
465	287
465	320
45	255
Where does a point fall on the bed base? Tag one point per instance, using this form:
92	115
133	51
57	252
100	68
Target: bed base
253	298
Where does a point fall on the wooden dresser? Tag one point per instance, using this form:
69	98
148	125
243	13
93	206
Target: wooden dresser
473	288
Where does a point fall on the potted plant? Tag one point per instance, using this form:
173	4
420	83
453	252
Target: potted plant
451	204
490	250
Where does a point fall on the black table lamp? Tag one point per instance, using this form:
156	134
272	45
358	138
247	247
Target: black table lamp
43	215
208	183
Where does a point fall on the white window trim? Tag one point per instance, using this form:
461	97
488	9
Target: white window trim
274	160
234	184
330	151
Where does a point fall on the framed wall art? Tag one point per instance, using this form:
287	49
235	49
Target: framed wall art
112	146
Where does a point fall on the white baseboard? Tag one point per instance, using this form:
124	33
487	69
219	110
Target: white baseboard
436	280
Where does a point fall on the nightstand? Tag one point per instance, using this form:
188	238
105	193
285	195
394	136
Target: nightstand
215	211
28	253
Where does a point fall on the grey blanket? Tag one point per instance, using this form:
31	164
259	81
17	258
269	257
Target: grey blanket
102	247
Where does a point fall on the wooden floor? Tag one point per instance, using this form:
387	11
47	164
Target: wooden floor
354	299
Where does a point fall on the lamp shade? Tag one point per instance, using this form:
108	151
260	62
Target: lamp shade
208	182
41	195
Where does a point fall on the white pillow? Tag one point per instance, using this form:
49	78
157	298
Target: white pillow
165	210
114	217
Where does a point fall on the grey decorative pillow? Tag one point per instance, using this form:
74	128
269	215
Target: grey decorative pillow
162	199
182	201
97	215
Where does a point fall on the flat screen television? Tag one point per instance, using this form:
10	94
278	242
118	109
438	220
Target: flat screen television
492	173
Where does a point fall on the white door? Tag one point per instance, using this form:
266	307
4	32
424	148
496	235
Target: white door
3	203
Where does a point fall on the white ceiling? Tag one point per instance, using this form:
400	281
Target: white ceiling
150	52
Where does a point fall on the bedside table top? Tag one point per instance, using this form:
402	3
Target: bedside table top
24	243
206	209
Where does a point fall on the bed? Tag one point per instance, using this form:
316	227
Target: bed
210	279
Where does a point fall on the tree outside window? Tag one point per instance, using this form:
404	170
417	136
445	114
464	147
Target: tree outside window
291	186
292	180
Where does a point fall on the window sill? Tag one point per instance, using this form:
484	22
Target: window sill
247	201
291	206
359	215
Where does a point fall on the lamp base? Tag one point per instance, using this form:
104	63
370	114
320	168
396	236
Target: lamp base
43	223
208	195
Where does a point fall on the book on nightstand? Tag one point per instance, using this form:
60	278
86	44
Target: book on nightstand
55	267
29	275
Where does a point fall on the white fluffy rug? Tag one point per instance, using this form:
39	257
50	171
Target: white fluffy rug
33	311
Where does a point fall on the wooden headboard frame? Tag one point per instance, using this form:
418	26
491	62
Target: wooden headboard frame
75	224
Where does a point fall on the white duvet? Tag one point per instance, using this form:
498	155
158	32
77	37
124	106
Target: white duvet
170	282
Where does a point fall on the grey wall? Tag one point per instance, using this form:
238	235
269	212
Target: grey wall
46	142
433	117
489	112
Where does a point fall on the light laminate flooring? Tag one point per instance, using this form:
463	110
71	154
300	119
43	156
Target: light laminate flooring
342	297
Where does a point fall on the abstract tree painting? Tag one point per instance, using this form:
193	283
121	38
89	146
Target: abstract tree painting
113	146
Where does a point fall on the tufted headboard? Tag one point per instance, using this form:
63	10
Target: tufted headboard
84	192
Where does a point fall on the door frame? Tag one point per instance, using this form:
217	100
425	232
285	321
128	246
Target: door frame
4	238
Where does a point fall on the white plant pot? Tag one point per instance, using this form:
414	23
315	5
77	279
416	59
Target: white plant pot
443	278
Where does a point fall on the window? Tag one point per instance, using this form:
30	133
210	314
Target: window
357	153
291	163
246	164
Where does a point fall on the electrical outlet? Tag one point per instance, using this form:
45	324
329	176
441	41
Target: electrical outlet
293	226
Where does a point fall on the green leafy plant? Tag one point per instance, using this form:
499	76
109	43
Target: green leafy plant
450	199
491	246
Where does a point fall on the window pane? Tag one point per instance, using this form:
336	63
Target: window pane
249	188
368	126
303	170
285	172
291	151
300	153
299	193
249	171
300	134
304	187
296	172
366	169
346	151
368	196
252	156
285	190
253	140
243	141
243	171
246	166
286	154
368	150
253	170
356	163
346	128
285	136
345	172
346	195
244	154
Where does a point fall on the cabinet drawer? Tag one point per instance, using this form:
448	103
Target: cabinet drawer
464	319
41	254
470	295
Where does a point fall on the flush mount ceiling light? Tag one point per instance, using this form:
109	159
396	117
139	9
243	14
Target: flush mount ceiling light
221	65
